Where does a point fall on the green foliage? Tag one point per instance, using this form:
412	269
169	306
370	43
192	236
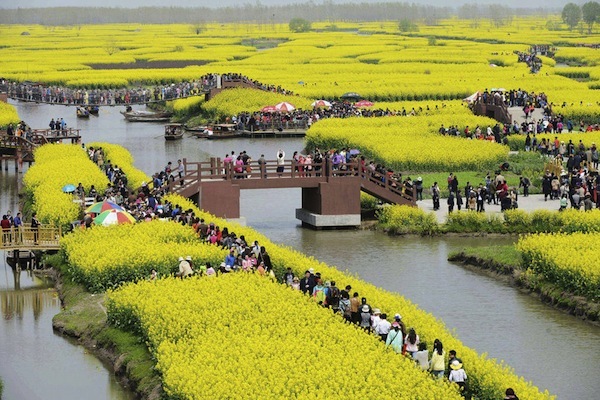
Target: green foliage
590	12
571	15
299	25
405	219
406	25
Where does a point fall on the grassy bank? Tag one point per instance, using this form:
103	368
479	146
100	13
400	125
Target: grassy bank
84	318
410	220
506	262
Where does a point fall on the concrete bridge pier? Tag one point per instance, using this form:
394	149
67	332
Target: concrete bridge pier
331	204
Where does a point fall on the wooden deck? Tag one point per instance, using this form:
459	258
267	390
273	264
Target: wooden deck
27	238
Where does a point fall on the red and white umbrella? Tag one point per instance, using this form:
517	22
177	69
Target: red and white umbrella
321	103
269	109
284	107
363	103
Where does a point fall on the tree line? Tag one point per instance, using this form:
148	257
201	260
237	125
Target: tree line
258	13
589	13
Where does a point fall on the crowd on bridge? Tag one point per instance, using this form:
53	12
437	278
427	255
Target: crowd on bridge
54	94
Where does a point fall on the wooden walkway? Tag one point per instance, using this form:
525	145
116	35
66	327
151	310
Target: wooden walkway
266	176
27	238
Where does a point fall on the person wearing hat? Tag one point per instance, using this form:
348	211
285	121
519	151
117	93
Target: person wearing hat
395	339
296	283
458	374
189	260
452	357
185	269
375	319
398	320
419	188
365	317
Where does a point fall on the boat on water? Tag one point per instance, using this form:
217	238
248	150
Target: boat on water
146	116
195	130
93	110
220	131
173	131
82	113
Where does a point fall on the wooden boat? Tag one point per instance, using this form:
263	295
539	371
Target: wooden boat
195	129
94	110
220	131
146	116
82	113
173	131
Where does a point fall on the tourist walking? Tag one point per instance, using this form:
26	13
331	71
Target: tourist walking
437	366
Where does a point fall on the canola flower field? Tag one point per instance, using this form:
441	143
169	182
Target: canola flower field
391	68
569	260
243	334
436	65
71	165
103	258
374	59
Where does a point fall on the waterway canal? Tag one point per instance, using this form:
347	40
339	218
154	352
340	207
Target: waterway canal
554	350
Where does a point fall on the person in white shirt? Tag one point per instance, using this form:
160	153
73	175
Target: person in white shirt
375	318
422	356
458	374
383	327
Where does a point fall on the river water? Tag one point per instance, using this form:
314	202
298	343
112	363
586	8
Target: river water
554	350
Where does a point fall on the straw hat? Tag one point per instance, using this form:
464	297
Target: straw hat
365	308
456	365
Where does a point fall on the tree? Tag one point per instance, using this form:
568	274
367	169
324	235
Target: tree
406	25
299	25
571	15
590	12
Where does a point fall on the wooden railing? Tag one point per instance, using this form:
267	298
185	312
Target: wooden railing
26	237
382	186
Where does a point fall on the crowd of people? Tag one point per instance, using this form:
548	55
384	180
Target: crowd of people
33	91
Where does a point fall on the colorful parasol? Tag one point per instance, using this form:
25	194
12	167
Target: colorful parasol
112	217
284	107
321	103
269	109
101	206
363	103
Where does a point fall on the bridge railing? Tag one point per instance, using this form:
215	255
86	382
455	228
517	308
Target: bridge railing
216	170
28	237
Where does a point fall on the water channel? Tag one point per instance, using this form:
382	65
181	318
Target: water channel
554	350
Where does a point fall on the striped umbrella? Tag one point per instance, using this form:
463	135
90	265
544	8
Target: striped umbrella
111	217
101	206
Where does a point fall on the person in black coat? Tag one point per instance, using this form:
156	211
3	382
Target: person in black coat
307	283
547	186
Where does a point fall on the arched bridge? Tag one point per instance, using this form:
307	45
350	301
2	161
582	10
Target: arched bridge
330	193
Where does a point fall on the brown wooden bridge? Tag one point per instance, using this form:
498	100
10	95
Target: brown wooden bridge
21	148
28	238
330	194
